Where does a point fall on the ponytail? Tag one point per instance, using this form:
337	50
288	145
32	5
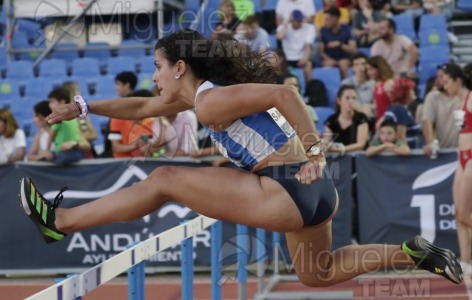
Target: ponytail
223	61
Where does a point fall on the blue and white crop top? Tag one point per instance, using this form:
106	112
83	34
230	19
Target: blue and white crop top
252	138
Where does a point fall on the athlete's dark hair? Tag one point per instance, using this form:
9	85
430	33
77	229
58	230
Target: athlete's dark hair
221	61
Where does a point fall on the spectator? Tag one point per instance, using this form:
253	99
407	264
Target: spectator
336	42
284	9
12	139
87	131
403	94
292	80
398	50
409	7
321	15
229	20
366	24
387	141
65	135
131	138
125	83
364	86
439	7
347	126
384	6
253	35
297	40
381	72
437	122
39	149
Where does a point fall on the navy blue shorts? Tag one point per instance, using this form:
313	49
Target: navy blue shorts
316	201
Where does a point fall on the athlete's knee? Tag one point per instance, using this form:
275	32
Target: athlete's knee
463	217
162	177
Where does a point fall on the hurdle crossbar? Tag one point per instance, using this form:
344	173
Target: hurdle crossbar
79	285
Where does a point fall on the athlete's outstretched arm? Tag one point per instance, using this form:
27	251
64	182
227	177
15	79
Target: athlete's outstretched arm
131	108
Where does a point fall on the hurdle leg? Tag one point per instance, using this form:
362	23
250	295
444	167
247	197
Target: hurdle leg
136	280
57	280
216	231
261	258
242	241
187	268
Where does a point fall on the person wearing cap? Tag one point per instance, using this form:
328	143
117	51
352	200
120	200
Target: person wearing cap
284	9
336	42
297	39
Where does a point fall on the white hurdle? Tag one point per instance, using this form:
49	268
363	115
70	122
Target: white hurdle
81	284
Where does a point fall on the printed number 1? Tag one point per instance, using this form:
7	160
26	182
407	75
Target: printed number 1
427	215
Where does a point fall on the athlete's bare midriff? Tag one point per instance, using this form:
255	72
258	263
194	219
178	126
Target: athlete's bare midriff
291	152
465	141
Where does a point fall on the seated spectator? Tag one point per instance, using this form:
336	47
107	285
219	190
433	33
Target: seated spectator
364	86
229	20
125	83
65	135
380	71
39	150
366	24
292	80
297	40
336	43
437	122
321	15
387	141
87	131
284	9
409	7
131	138
439	7
250	33
12	139
398	50
403	94
347	130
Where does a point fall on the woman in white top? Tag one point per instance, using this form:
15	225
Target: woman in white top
39	149
12	139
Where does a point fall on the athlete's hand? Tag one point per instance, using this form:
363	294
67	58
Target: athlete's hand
63	112
311	170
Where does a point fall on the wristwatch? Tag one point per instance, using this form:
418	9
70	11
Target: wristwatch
315	150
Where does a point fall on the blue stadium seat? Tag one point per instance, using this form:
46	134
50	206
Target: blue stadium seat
145	81
9	90
273	41
426	70
301	80
464	5
433	37
405	25
350	72
365	51
421	91
3	60
146	64
192	5
38	88
22	110
68	56
329	76
269	5
332	91
105	86
436	21
323	114
121	63
84	83
87	66
136	53
22	70
20	40
53	69
318	5
434	54
101	55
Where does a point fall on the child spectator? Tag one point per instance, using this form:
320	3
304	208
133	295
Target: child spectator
39	150
125	83
12	139
65	135
387	141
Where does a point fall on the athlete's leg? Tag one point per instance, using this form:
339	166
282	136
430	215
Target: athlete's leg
221	193
463	230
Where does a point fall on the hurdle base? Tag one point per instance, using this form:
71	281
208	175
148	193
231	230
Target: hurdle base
268	294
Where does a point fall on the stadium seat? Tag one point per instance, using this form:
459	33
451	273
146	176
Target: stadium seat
145	81
301	80
405	25
119	64
22	70
68	56
318	5
426	70
269	5
87	66
273	41
3	60
105	87
434	54
329	76
433	37
146	64
323	114
9	90
101	55
332	90
20	40
192	5
84	83
421	91
436	21
365	51
136	53
38	88
53	69
464	5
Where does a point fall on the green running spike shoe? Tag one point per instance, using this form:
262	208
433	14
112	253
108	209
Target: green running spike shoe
434	259
41	211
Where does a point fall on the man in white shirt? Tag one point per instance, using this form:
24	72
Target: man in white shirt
398	50
297	39
286	7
